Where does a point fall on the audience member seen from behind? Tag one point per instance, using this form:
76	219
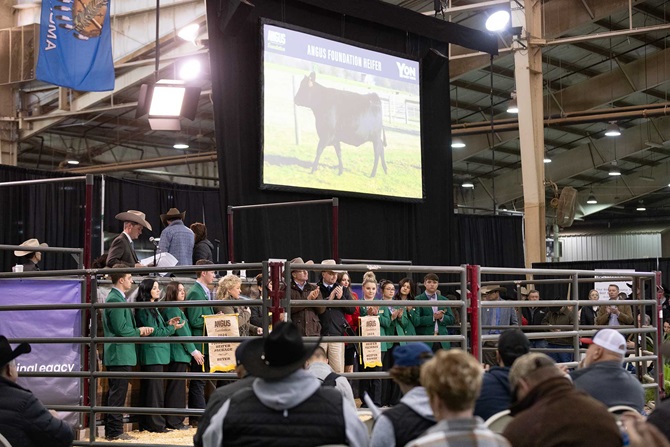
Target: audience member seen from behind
230	288
203	248
612	314
453	380
496	395
350	350
433	320
550	411
200	291
413	415
318	365
181	355
286	406
176	238
587	314
29	258
24	421
119	357
223	393
371	386
153	357
601	373
563	316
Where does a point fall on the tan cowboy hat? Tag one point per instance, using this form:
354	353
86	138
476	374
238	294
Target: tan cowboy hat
299	260
172	214
490	289
134	216
29	243
330	262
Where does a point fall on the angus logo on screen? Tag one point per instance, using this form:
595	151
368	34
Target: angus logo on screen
339	118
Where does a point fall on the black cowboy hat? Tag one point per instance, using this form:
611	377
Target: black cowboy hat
277	355
7	354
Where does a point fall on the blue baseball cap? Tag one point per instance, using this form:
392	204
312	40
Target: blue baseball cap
411	354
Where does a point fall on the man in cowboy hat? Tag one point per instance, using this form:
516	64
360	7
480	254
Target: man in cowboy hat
30	258
24	421
122	250
495	316
306	318
177	239
333	322
286	405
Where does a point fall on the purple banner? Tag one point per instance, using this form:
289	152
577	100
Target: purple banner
316	49
60	357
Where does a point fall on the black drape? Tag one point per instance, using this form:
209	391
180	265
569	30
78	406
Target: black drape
370	229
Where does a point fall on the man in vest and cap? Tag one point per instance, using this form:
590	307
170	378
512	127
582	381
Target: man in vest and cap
286	405
24	421
122	250
177	239
29	258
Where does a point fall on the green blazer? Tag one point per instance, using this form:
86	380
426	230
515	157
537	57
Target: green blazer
384	324
399	326
154	353
424	323
179	352
119	323
194	314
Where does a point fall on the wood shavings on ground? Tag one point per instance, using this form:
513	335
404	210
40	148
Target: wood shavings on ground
173	437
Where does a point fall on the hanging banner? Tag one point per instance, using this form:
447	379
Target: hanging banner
372	351
45	357
75	46
222	355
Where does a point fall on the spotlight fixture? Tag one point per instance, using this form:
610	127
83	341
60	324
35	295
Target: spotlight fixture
189	33
468	184
167	101
189	69
614	170
591	199
498	21
457	143
613	130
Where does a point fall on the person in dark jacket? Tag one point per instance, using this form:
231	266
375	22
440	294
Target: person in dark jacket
203	248
535	316
24	421
496	394
587	315
306	318
29	258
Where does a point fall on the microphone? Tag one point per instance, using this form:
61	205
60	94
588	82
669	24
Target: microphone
216	241
154	240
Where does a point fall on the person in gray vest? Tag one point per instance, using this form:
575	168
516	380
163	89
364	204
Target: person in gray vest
413	415
318	365
286	405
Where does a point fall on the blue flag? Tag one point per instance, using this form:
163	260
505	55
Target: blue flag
76	45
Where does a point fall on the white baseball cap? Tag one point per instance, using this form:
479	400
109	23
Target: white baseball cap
609	339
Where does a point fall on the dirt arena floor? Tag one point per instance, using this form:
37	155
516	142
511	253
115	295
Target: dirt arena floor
174	437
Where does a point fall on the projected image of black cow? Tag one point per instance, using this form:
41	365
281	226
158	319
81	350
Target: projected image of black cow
342	116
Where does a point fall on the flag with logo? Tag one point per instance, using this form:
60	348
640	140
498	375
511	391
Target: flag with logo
75	46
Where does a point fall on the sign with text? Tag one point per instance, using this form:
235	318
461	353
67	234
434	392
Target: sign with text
222	355
372	352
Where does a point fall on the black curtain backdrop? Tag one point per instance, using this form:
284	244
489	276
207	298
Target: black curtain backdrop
493	241
372	229
560	291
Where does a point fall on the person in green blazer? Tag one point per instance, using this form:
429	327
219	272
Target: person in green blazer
152	356
199	292
433	320
389	322
181	355
119	357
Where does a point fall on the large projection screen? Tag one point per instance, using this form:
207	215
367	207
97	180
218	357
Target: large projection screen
339	118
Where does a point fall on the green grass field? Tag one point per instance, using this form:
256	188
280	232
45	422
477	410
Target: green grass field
287	163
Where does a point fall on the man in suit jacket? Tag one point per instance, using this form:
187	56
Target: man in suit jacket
199	292
122	250
495	316
433	320
120	357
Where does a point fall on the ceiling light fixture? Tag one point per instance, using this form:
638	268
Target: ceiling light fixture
457	143
614	170
167	101
189	33
547	160
189	70
512	106
73	162
613	130
468	184
180	145
640	206
591	199
498	21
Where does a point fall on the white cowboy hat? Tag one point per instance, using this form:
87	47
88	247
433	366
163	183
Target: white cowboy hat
29	243
490	289
134	216
330	262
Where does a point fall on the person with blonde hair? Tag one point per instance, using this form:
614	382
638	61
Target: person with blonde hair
230	289
453	380
371	386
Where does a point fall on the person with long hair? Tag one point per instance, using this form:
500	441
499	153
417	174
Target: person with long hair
230	289
371	386
390	322
180	357
153	356
203	248
587	314
344	280
406	292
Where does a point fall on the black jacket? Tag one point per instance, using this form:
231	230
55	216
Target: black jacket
25	422
203	250
332	319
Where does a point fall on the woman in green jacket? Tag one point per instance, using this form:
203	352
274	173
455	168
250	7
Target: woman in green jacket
180	357
153	356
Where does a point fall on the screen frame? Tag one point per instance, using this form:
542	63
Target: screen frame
261	107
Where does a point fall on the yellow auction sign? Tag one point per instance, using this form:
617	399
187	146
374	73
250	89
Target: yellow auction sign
222	355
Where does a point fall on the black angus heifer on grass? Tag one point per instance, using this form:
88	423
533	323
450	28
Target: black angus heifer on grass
345	117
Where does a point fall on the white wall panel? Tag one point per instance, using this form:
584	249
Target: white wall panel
610	246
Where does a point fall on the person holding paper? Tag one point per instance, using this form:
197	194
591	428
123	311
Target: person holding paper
122	250
153	356
371	386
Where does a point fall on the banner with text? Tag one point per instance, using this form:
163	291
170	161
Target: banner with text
372	352
75	46
47	357
222	355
